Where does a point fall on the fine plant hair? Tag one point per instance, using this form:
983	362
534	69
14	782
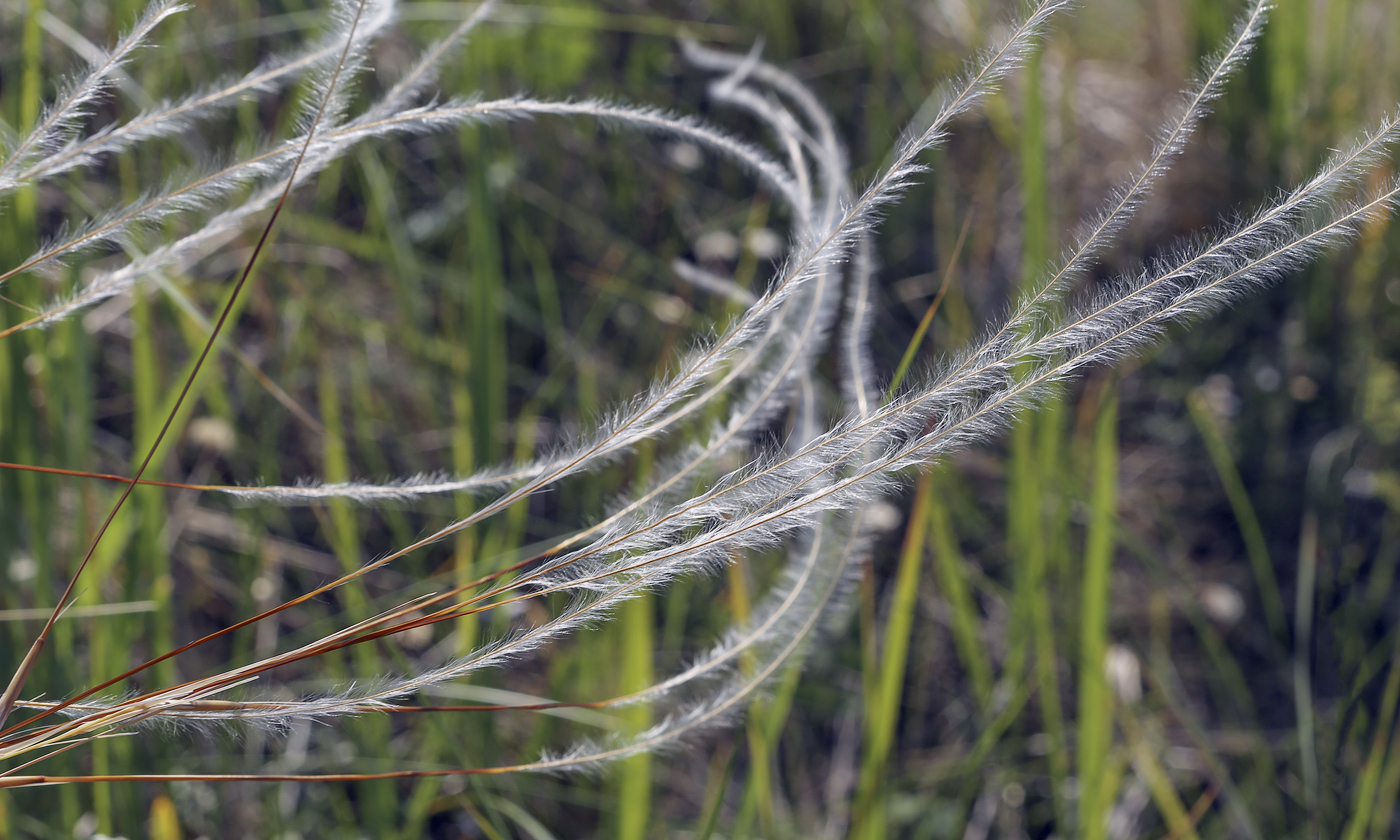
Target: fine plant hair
813	496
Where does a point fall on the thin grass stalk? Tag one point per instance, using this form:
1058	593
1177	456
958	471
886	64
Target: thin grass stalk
829	496
784	497
1255	547
16	684
999	62
1095	696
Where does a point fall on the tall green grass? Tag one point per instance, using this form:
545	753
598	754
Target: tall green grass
456	301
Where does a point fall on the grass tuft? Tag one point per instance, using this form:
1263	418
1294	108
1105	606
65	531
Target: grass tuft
431	451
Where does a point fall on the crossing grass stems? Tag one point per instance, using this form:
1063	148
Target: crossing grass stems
810	497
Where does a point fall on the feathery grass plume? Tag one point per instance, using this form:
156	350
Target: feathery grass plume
810	499
1129	196
824	240
63	117
330	84
205	188
172	117
819	252
329	145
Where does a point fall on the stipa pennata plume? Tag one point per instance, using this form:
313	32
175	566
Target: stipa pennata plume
713	495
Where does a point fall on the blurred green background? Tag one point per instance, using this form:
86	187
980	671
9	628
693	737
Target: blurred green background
1164	606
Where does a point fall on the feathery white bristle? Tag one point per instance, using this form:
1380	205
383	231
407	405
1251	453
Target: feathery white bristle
813	494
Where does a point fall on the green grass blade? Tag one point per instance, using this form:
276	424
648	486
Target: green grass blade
1248	520
1364	808
950	568
883	706
636	632
1095	700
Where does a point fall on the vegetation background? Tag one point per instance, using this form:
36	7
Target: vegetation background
1216	521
